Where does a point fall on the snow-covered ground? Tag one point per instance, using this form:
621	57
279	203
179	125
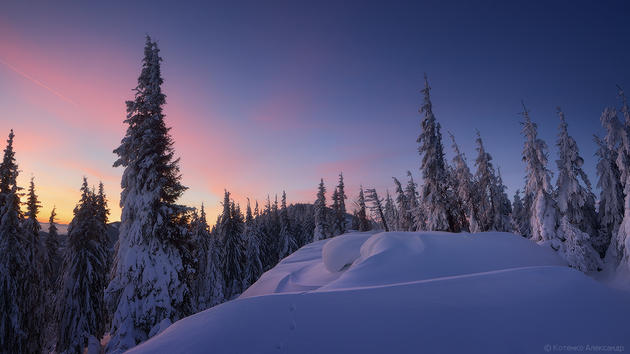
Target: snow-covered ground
412	293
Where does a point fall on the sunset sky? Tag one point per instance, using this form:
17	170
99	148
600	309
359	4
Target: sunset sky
266	96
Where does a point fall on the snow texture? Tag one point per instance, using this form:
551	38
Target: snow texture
431	292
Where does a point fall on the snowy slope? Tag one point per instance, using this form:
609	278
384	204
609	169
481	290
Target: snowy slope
410	293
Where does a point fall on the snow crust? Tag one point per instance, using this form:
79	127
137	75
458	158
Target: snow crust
409	292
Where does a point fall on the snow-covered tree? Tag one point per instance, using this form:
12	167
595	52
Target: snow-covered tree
611	202
433	168
320	213
339	208
81	309
200	238
362	219
619	248
418	216
149	289
230	231
391	213
377	206
464	188
13	259
52	248
405	216
287	243
576	248
484	184
36	282
501	204
543	214
574	197
520	216
253	235
613	142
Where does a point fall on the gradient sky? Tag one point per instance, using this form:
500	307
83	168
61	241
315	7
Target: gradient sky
266	96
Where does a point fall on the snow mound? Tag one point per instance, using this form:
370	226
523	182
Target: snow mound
341	251
409	293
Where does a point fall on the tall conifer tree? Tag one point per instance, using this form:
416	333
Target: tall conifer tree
153	234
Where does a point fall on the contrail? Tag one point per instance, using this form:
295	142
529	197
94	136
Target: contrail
38	83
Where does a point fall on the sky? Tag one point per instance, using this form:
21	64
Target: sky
270	96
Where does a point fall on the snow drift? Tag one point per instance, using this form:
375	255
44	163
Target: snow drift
402	292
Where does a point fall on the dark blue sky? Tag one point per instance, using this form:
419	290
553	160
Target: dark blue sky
284	93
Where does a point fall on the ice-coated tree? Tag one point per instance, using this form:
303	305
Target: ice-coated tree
576	248
320	213
214	273
81	312
611	201
253	234
520	219
52	248
149	289
36	282
363	222
405	216
614	132
377	206
339	208
286	242
576	204
334	227
619	248
200	238
501	204
13	264
464	189
413	199
543	214
230	231
433	168
391	213
574	197
485	180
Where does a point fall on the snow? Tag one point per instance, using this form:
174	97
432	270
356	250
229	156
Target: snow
341	251
407	293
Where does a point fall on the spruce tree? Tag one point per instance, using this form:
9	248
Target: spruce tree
52	248
501	204
576	204
418	217
377	206
433	168
574	197
153	237
464	189
619	248
13	259
81	312
36	283
339	208
611	201
613	142
253	234
334	227
391	214
484	184
230	233
199	232
543	216
287	242
364	223
519	215
321	214
405	216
